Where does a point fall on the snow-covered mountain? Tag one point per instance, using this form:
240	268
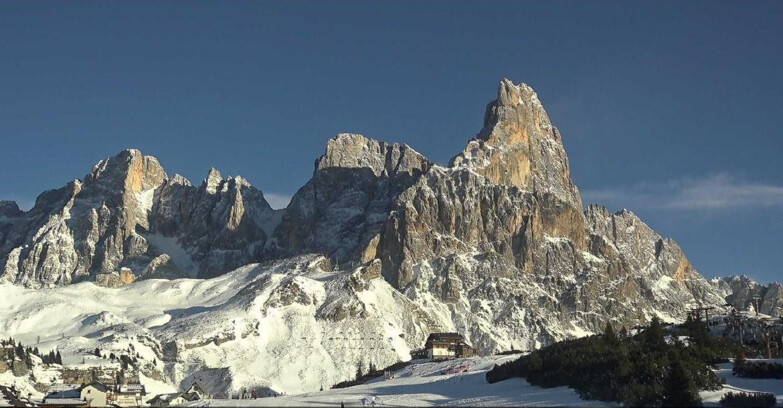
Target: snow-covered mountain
379	248
128	216
739	291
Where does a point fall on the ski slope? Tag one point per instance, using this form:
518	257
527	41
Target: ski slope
424	384
739	384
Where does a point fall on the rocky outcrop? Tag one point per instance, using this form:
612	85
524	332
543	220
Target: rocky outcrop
740	291
497	245
127	213
342	210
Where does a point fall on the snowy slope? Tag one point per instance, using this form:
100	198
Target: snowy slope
289	326
424	384
739	384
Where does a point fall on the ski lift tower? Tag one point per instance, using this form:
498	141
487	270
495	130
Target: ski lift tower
756	304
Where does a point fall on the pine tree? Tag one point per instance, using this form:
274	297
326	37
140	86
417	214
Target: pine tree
608	330
653	336
359	373
680	391
58	358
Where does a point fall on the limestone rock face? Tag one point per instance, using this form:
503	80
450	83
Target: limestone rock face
520	147
739	291
497	245
126	213
342	210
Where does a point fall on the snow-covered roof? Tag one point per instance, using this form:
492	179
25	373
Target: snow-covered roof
131	388
64	401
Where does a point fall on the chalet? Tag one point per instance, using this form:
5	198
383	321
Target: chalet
174	399
64	395
127	395
96	393
9	397
443	346
198	391
194	393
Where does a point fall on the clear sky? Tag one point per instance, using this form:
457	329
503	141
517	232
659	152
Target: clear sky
671	109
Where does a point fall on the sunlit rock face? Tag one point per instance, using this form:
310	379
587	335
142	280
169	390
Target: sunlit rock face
126	213
497	245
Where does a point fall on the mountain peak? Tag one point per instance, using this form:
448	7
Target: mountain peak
518	146
213	180
350	150
131	168
9	209
510	94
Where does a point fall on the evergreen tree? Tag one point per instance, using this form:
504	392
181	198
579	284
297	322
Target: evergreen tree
58	358
608	330
653	336
680	391
359	373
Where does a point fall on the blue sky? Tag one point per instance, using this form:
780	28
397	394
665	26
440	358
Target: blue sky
671	109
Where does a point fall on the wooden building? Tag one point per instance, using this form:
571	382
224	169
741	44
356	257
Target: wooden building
443	346
128	395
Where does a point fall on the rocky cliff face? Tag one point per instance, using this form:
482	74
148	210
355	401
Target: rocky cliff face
740	291
496	245
127	213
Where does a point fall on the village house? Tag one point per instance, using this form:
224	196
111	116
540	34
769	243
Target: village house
95	393
64	395
194	393
128	395
443	346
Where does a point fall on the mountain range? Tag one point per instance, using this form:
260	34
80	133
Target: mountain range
378	249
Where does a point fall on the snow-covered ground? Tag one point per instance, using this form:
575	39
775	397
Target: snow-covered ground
737	384
424	384
287	326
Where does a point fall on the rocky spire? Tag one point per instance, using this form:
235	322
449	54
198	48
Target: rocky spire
131	169
213	180
518	146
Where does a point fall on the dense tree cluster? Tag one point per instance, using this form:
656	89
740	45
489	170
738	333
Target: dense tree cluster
639	370
757	369
745	399
24	353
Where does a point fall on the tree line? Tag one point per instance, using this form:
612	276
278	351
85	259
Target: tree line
637	370
24	353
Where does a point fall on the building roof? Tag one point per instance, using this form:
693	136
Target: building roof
131	389
64	394
187	396
98	386
64	401
10	398
444	337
